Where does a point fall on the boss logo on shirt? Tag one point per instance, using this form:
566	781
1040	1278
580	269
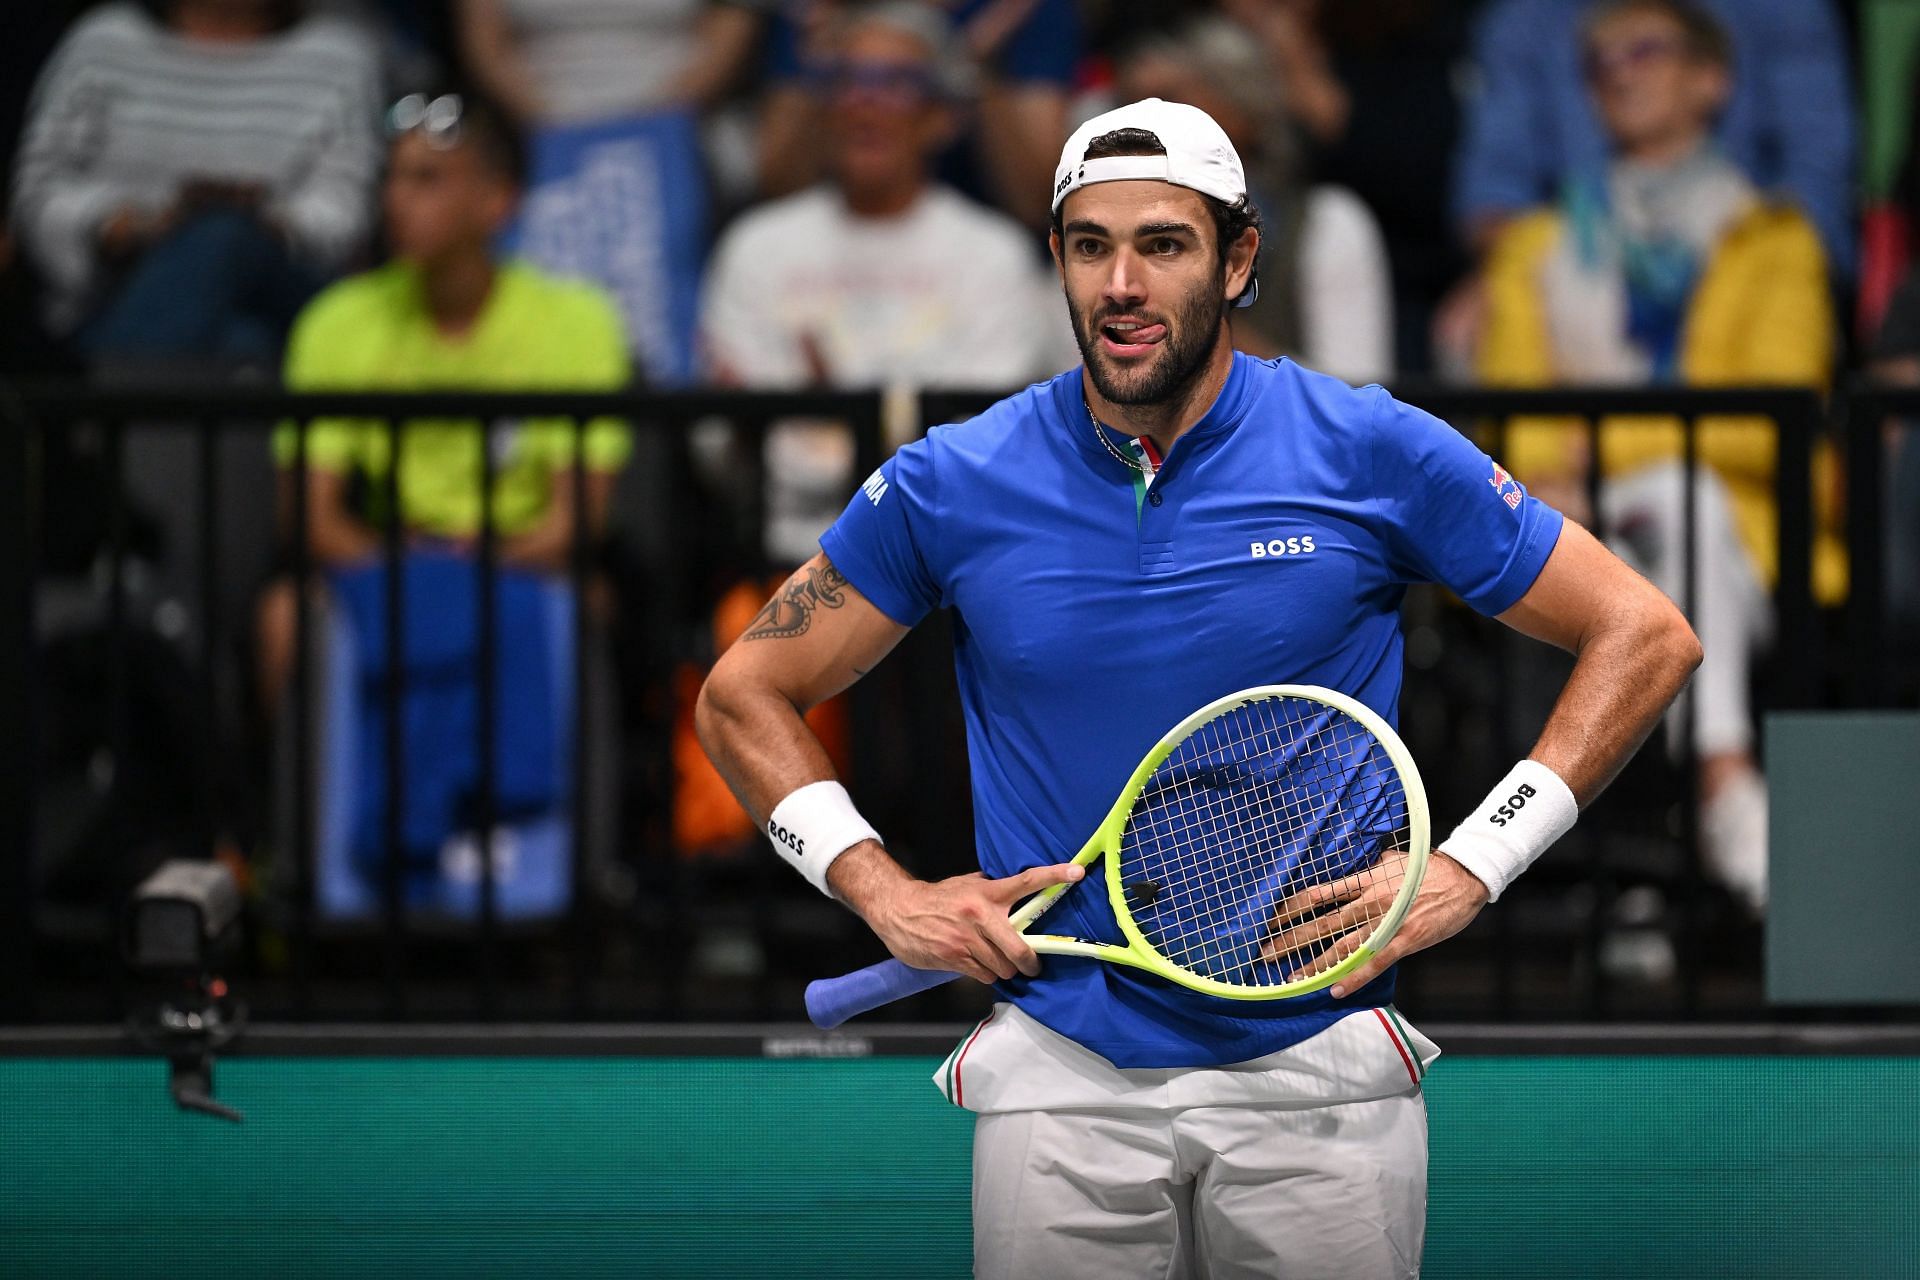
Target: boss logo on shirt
787	838
1274	548
1518	800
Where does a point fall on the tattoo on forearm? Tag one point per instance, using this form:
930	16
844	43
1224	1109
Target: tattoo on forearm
790	612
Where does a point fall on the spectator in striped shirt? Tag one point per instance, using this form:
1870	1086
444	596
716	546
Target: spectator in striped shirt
186	181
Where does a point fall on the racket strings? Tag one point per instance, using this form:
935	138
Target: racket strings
1271	798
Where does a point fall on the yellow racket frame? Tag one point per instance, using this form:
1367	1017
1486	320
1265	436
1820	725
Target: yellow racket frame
1105	843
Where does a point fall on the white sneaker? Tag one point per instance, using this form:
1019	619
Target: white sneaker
1640	956
1635	947
1733	839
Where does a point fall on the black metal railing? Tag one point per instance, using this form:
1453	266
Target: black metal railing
1883	504
1596	859
690	536
685	527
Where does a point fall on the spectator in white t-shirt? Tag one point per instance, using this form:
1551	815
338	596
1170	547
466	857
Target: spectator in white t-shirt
1326	295
879	276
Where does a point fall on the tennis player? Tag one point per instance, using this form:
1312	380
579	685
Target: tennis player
1168	523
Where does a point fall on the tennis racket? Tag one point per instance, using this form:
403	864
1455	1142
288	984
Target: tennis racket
1266	847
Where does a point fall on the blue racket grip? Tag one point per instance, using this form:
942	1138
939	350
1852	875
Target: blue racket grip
831	1001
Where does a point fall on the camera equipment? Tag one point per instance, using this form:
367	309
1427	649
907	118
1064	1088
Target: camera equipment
182	924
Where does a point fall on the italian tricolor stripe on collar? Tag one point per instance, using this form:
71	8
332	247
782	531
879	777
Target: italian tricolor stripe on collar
1142	448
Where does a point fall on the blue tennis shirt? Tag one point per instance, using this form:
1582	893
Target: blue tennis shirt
1091	614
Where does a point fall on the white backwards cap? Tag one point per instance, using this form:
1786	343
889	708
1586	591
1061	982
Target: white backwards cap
1198	156
1198	153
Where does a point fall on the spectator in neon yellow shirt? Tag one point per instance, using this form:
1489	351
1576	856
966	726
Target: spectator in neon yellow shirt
447	313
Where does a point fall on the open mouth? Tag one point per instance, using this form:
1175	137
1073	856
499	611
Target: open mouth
1131	338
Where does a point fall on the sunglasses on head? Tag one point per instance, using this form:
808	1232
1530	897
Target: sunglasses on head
879	78
1598	62
436	119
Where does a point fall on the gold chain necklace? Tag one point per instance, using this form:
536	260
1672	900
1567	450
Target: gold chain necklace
1108	445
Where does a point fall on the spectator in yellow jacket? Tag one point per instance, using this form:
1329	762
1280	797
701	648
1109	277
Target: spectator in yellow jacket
1670	268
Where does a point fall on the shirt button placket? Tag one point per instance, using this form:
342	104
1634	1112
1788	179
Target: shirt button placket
1156	541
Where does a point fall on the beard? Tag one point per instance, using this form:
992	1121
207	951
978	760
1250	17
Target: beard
1192	335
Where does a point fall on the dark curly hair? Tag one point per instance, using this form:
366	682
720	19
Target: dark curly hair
1230	221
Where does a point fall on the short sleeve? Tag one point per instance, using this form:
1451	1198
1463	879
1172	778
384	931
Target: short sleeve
333	444
882	541
601	363
1452	514
593	358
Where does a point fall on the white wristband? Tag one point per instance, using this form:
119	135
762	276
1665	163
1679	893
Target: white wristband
1530	809
813	826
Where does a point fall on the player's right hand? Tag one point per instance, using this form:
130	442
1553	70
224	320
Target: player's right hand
960	924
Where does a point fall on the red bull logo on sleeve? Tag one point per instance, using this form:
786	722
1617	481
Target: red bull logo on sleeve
1507	487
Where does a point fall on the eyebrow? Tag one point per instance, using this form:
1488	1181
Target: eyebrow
1084	227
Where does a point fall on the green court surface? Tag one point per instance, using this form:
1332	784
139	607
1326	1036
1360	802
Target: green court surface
1640	1167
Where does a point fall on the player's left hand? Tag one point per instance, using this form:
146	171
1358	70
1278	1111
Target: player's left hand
1450	897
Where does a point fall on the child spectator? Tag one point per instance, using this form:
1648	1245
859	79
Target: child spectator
1787	123
1666	266
447	313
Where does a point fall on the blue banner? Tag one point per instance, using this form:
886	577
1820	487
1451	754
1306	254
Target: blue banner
623	203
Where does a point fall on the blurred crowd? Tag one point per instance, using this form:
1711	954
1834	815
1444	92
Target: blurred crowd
782	194
777	193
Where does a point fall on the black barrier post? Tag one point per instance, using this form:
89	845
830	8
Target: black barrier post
760	564
117	829
487	675
1799	627
579	807
1866	546
19	763
117	639
301	938
393	725
1692	885
209	559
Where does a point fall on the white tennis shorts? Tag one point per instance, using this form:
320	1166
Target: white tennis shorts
1308	1164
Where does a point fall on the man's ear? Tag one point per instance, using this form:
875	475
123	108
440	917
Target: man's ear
502	203
1716	90
1240	258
